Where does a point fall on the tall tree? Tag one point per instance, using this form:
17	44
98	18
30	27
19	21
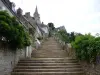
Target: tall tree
72	36
51	25
51	29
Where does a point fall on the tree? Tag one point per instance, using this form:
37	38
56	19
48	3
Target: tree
63	35
51	25
51	29
72	36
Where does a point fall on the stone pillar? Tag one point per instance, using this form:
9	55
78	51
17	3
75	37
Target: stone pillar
28	51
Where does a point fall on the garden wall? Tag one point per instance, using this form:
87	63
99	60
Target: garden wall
9	58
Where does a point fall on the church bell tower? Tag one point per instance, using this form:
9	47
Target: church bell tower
37	16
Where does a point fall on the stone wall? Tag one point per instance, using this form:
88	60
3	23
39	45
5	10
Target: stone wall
9	58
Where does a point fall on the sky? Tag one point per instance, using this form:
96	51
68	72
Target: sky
76	15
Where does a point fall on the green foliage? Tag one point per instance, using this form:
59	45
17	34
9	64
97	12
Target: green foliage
40	38
62	34
72	37
87	47
51	29
67	37
51	25
12	31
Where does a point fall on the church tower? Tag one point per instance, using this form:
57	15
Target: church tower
37	16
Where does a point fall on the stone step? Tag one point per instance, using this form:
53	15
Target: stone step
52	45
64	58
48	44
48	49
49	54
50	59
47	61
47	67
48	70
44	48
51	51
48	73
45	64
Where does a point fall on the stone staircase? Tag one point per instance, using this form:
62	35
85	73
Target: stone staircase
50	59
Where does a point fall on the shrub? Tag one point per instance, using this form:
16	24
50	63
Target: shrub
87	47
12	31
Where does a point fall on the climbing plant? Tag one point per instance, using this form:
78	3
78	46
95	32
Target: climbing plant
12	32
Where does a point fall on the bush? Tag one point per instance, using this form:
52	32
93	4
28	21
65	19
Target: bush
12	31
87	47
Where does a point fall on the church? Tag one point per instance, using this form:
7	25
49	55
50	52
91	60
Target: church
41	29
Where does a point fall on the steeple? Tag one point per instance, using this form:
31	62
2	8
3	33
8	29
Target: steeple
36	10
37	15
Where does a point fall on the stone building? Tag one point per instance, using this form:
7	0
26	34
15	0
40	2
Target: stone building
41	28
61	28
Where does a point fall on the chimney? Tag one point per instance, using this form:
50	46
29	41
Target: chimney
19	12
27	14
